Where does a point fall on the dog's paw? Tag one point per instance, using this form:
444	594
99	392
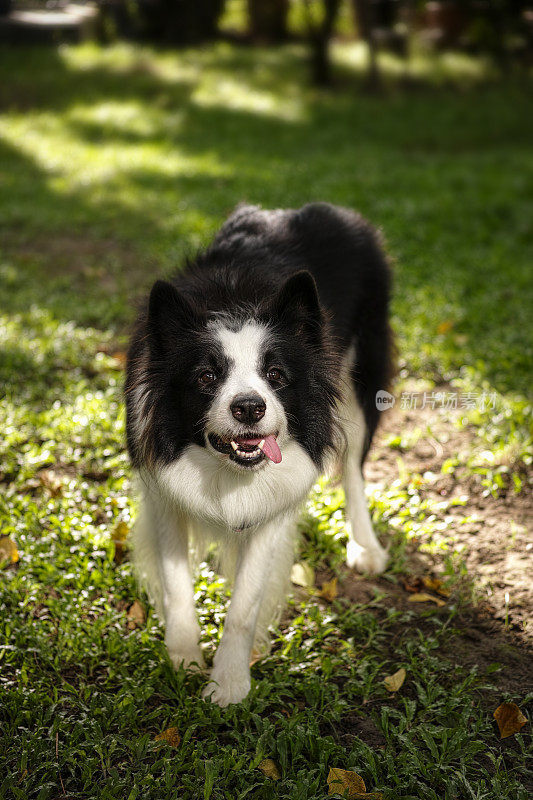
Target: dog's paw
187	657
371	560
224	689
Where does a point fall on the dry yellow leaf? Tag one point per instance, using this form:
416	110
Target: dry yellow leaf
120	532
170	736
269	768
395	681
303	574
509	718
8	550
445	326
329	590
340	780
136	615
436	585
423	597
119	537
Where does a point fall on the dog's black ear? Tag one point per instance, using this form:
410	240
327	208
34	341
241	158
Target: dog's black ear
169	313
298	303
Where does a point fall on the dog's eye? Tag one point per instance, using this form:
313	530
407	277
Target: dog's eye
274	374
207	378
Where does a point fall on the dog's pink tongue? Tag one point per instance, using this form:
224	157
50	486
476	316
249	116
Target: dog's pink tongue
271	450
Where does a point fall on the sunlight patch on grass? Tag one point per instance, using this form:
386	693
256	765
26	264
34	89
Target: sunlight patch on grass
126	120
422	64
125	59
56	147
234	93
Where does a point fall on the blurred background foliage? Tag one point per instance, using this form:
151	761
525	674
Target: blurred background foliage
502	29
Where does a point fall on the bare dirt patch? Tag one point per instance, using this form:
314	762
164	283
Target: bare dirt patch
494	534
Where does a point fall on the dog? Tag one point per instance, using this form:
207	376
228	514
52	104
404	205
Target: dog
248	373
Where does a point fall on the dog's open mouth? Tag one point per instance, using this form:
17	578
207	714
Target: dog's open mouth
248	450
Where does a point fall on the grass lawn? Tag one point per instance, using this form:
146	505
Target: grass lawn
116	163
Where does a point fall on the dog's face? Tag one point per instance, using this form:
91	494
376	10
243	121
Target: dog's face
246	421
240	385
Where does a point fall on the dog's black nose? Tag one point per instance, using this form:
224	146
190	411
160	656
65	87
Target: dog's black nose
248	408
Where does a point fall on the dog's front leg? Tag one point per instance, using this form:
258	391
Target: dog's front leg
163	537
182	632
230	678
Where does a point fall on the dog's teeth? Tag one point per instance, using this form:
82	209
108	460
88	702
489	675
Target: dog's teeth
247	455
261	444
234	445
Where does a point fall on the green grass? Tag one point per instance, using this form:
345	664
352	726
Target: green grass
116	163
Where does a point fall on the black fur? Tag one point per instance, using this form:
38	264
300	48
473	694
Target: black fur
316	276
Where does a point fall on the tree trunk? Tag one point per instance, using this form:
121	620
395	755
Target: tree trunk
320	32
364	17
268	19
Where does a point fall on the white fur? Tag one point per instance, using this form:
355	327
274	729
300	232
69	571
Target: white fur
363	550
243	349
200	483
260	558
162	555
263	569
251	513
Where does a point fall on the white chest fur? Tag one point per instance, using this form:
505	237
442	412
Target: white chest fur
203	487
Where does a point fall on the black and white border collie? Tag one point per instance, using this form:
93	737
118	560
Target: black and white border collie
250	372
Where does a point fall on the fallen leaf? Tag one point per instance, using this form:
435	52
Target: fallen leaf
445	326
136	615
170	736
349	784
423	597
8	550
394	682
120	532
303	574
416	584
509	718
436	585
119	537
340	780
269	768
329	590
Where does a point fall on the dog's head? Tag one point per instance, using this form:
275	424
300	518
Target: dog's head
240	383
